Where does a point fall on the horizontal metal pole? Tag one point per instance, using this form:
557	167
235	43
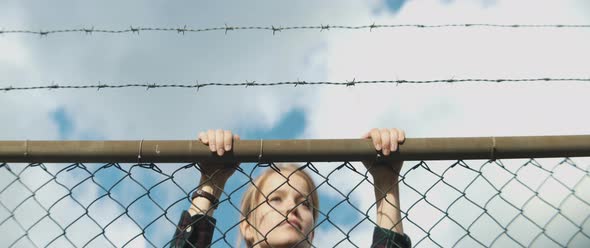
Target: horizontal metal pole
187	151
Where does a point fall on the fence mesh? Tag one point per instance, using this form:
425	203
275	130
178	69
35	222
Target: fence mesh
471	203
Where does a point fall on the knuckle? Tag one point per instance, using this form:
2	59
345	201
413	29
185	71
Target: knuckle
375	133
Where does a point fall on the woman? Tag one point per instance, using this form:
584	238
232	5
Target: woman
281	208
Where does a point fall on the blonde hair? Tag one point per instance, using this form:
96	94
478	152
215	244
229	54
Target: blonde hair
252	194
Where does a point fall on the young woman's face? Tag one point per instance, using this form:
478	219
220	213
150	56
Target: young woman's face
286	217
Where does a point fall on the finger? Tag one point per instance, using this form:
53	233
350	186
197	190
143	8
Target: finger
376	137
402	136
394	139
366	135
219	141
236	137
227	138
203	137
211	138
385	141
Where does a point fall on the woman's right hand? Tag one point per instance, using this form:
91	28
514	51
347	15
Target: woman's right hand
219	141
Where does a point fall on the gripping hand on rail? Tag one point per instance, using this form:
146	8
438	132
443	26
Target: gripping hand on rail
214	175
386	177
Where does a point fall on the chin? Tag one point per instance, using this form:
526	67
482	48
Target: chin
286	243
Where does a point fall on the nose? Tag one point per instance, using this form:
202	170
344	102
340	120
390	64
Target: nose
292	208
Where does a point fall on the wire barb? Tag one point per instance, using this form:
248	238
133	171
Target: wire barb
89	31
372	27
197	85
181	30
54	86
228	28
100	86
151	86
134	30
9	88
298	82
279	29
43	33
250	83
451	80
351	83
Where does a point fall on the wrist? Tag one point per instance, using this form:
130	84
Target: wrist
201	205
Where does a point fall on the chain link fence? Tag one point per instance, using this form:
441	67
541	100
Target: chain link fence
537	202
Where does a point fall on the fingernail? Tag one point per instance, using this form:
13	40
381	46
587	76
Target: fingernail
227	147
212	147
378	147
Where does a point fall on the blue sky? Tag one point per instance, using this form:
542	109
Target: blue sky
394	5
63	122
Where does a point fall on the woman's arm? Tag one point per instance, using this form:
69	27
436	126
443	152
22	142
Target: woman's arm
196	226
201	205
213	176
389	231
387	198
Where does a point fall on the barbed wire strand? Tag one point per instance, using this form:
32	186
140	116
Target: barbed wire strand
274	29
246	84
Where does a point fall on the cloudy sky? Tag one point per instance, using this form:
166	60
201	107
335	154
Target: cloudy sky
286	112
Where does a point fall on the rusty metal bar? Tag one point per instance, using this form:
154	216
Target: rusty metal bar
186	151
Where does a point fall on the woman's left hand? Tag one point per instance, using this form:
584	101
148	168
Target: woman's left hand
386	140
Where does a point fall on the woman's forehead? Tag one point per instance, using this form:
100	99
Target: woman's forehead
289	181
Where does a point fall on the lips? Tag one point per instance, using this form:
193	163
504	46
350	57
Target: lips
293	222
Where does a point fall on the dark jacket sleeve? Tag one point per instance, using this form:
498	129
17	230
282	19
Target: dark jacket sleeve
385	238
199	234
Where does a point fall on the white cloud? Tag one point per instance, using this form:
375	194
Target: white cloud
459	109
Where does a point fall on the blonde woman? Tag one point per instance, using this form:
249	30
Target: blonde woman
281	208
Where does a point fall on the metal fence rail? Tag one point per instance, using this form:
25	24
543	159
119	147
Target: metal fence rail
161	151
512	196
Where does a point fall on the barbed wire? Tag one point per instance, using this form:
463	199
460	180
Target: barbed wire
246	84
274	29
